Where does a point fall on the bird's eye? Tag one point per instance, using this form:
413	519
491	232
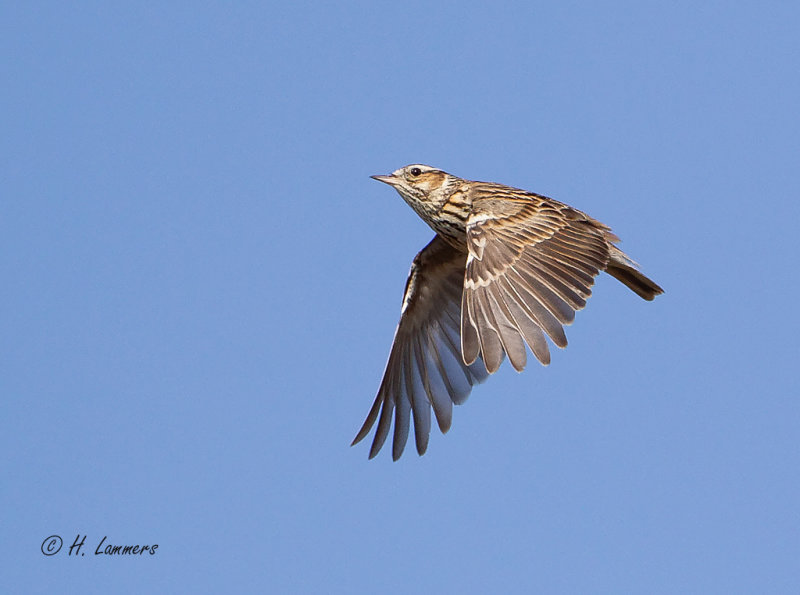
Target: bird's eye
415	171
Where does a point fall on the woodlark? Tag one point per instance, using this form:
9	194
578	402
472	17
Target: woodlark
506	268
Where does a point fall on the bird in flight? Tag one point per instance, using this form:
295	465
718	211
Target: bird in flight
506	268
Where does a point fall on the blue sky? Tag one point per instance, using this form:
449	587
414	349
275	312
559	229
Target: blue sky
201	282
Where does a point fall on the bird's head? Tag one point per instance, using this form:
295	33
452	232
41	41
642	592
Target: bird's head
422	186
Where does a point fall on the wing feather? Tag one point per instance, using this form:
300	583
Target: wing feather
508	330
535	268
425	369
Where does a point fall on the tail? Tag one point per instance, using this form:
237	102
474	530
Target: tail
624	270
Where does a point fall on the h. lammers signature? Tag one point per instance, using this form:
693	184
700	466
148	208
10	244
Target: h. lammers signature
52	545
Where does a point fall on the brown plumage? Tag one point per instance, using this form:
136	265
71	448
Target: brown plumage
506	268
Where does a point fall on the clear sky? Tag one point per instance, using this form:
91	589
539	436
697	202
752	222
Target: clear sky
200	283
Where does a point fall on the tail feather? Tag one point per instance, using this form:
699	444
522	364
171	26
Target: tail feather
624	270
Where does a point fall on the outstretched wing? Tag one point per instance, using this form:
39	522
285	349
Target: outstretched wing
531	264
425	366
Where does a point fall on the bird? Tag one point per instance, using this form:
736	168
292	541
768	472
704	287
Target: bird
506	268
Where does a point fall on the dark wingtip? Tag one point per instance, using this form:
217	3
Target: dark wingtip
362	433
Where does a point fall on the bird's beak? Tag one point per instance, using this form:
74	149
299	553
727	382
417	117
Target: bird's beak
390	179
